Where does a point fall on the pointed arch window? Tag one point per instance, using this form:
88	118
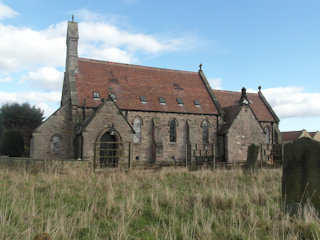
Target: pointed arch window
205	132
276	137
173	130
267	130
137	122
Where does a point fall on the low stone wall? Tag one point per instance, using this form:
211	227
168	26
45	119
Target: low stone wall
43	165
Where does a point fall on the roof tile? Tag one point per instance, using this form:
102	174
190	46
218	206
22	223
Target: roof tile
229	98
129	82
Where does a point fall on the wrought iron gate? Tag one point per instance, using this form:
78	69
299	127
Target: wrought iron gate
200	155
112	155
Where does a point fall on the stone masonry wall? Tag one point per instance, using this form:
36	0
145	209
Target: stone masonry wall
44	165
59	123
244	131
143	150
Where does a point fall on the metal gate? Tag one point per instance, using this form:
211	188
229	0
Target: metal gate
277	154
200	155
112	155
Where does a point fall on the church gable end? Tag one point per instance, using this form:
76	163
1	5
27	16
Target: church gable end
53	138
244	130
106	116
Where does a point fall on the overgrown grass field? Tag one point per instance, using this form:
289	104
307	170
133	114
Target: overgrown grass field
170	204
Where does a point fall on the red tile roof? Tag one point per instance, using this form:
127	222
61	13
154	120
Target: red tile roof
290	136
129	82
229	98
230	114
312	134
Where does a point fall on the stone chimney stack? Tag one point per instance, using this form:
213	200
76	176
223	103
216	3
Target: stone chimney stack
69	90
72	46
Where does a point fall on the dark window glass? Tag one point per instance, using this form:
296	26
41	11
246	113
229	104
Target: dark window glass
179	101
266	129
162	100
113	96
276	137
196	102
173	131
143	99
205	132
96	95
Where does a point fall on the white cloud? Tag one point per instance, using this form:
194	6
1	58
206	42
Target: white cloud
22	48
47	110
36	97
215	83
88	16
48	78
97	37
290	102
7	12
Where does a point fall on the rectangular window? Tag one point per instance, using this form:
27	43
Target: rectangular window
96	95
162	100
143	99
179	101
196	102
113	96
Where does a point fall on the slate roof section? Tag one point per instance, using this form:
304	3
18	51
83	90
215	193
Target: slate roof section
290	136
230	113
312	134
230	98
129	82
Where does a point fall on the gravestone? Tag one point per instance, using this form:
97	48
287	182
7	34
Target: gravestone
301	175
252	157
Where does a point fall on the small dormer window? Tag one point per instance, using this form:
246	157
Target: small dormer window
96	95
143	99
113	96
179	101
196	102
162	100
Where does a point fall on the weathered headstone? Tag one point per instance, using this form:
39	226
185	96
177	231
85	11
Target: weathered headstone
301	175
252	157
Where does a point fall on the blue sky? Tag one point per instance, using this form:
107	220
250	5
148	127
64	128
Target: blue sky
275	44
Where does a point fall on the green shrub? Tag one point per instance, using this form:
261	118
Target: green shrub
12	143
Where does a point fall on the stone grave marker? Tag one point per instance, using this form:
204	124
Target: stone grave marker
252	157
301	175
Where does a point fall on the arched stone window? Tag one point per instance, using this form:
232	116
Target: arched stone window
55	143
205	132
267	130
276	137
173	130
137	122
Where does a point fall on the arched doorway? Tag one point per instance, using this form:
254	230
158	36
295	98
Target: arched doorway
108	150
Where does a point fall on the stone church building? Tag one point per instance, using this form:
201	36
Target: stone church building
154	113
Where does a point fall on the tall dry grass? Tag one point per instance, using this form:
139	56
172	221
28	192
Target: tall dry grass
170	204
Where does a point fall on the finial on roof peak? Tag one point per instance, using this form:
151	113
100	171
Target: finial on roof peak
200	66
72	18
259	88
